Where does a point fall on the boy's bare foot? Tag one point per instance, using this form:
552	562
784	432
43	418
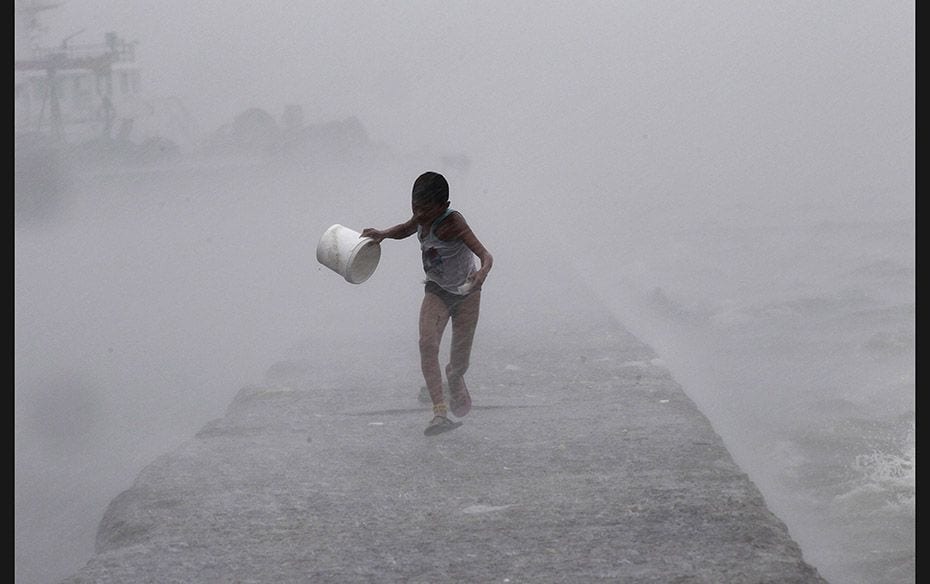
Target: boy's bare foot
440	424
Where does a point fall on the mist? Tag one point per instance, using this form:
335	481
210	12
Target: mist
736	182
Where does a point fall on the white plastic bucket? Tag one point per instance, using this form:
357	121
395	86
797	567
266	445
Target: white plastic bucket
347	253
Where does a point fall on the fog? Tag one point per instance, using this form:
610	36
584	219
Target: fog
736	181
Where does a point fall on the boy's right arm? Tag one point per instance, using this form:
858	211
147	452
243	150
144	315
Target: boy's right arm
397	232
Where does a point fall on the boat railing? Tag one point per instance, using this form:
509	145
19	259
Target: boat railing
120	51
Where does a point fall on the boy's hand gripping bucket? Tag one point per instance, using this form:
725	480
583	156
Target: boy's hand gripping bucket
347	253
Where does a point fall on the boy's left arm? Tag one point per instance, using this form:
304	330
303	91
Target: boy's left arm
487	260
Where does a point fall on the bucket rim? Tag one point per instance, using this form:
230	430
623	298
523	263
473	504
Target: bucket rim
365	243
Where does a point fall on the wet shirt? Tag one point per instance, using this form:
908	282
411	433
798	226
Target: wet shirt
448	263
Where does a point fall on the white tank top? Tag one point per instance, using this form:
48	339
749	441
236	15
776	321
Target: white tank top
448	263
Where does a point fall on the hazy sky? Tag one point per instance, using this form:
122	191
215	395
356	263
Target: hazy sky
704	78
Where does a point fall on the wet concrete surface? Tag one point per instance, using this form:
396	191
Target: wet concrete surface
582	460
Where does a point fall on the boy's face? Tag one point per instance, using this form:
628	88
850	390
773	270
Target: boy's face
426	212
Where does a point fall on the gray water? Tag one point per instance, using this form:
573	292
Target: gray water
734	181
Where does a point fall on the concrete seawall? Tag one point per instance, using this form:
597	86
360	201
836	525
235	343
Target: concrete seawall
582	460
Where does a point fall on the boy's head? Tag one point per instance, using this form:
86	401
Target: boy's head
430	189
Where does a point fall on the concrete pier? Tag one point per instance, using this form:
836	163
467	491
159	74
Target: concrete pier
582	460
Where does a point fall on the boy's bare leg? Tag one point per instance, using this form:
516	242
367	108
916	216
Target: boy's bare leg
463	333
433	318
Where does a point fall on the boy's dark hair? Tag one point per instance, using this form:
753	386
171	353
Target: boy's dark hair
431	187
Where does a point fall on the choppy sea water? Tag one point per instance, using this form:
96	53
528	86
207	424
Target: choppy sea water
797	339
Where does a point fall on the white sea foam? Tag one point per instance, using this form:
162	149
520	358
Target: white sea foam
891	470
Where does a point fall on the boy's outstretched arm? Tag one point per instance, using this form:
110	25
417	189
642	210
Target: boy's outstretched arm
401	231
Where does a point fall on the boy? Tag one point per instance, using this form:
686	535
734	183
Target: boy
453	290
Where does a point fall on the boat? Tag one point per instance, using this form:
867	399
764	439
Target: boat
88	98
